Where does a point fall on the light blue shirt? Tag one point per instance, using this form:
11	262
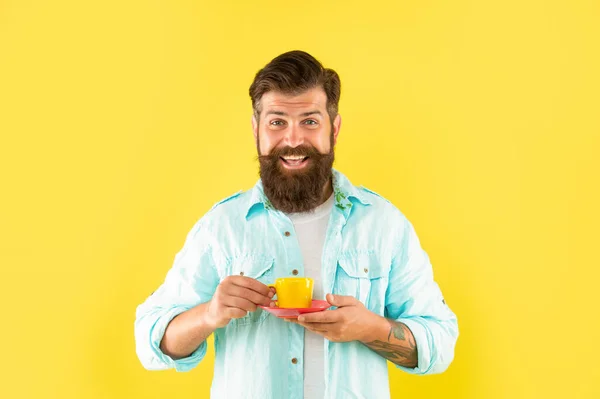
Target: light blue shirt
370	252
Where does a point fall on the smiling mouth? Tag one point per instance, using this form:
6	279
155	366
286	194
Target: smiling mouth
294	161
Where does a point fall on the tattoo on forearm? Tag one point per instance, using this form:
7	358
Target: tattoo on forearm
397	329
400	349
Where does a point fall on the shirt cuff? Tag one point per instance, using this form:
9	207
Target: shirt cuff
156	336
422	339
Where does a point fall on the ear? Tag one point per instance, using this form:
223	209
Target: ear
254	127
337	124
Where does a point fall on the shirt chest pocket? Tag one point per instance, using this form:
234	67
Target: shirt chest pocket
364	277
258	267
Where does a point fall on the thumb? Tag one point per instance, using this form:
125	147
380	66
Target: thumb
340	300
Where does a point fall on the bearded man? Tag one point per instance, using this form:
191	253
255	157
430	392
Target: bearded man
303	218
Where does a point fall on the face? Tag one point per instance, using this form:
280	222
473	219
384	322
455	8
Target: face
295	139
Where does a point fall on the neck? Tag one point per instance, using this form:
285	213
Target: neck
327	191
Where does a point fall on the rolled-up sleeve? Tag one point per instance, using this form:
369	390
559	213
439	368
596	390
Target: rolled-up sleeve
415	299
192	280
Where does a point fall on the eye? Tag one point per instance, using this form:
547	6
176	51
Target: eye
310	122
277	122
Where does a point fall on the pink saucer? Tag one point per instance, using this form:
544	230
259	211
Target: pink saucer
292	313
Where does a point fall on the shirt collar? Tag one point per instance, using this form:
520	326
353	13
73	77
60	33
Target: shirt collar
344	192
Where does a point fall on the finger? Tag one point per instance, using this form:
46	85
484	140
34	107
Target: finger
341	300
329	316
317	327
250	283
248	294
240	303
235	313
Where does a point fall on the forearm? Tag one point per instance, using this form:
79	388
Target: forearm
186	332
394	341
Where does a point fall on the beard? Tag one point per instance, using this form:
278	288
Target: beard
296	190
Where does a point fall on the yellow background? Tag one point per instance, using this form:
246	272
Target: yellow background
122	122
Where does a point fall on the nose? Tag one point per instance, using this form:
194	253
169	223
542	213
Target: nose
293	137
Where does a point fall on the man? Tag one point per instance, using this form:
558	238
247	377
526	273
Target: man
302	218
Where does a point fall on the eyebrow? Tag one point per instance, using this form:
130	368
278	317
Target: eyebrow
304	114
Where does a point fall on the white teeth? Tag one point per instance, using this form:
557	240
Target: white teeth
293	158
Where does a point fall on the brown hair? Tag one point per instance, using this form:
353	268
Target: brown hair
292	73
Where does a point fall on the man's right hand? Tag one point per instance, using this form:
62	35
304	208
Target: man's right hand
235	297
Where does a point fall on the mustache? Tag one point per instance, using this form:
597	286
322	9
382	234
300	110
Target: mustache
300	151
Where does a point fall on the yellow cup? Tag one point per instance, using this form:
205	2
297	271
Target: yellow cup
293	292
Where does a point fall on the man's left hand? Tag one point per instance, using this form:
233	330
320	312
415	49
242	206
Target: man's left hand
351	321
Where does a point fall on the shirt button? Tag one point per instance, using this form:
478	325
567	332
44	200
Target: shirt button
294	361
287	233
366	270
241	273
295	272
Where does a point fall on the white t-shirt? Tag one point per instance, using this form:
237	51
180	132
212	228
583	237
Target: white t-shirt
311	228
